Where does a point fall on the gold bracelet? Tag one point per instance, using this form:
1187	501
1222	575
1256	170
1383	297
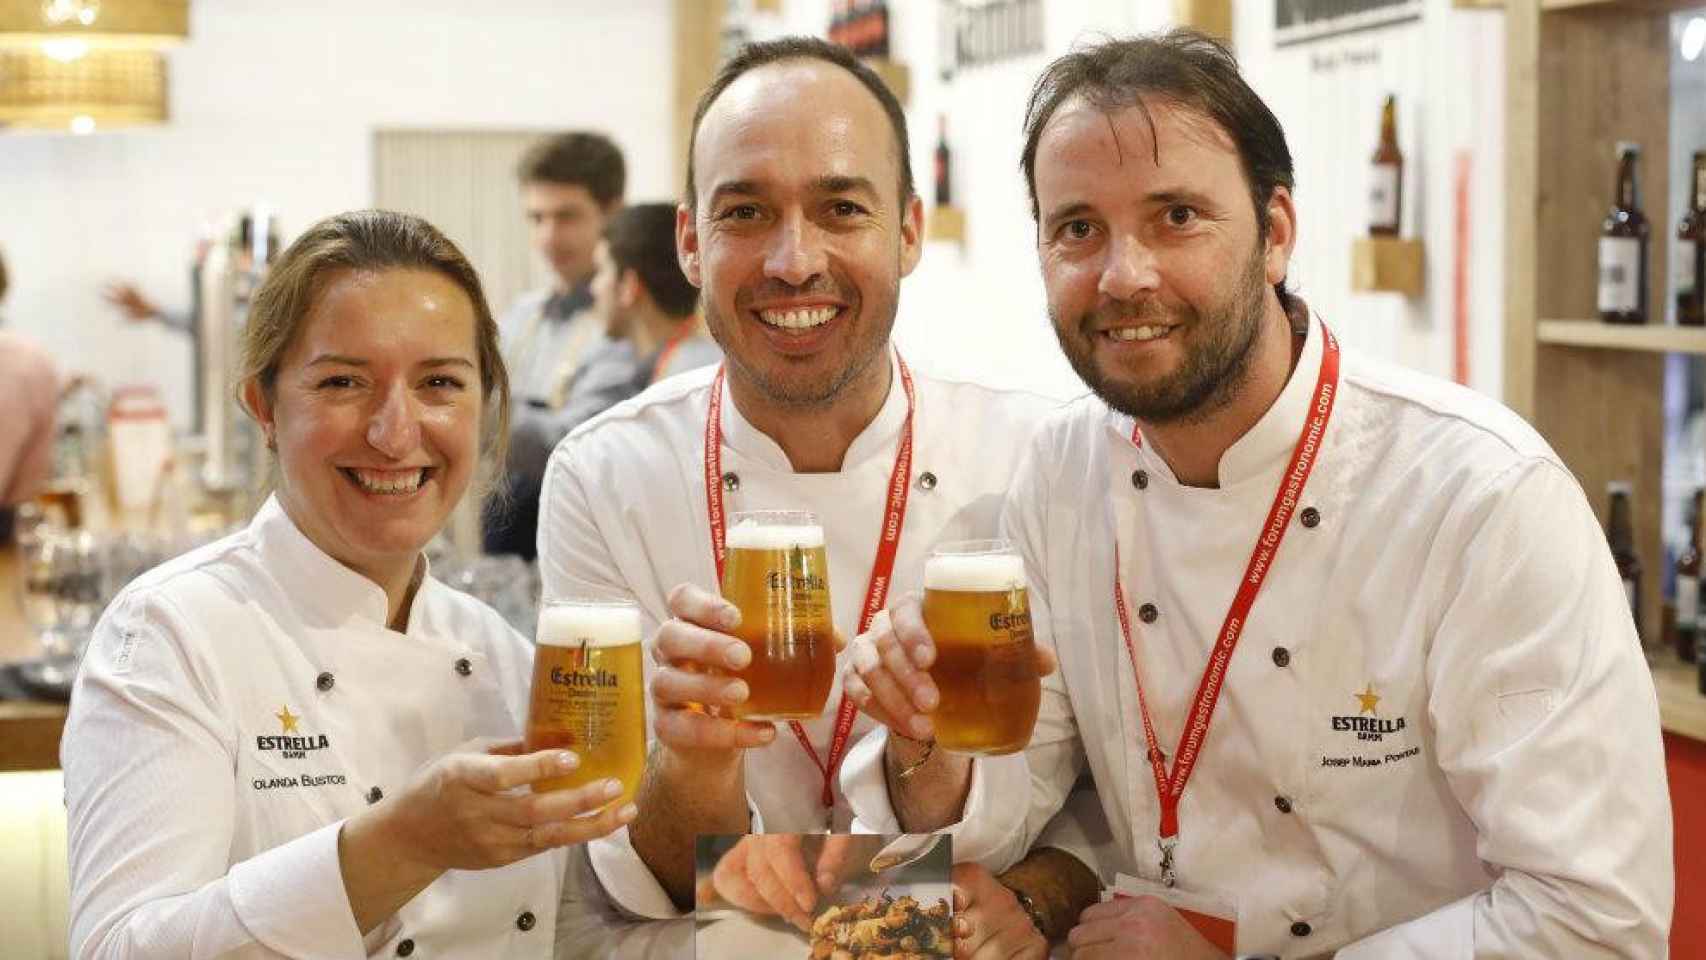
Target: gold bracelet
913	767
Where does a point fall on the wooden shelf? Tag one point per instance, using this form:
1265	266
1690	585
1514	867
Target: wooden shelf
1682	710
1387	265
30	731
895	74
1652	338
946	224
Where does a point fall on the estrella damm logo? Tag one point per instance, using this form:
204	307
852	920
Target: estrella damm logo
1009	621
777	580
584	678
1367	723
291	747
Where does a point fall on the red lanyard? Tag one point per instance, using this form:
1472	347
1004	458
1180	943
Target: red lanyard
888	543
1170	788
667	354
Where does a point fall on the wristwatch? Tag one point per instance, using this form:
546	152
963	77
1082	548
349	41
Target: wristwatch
1029	906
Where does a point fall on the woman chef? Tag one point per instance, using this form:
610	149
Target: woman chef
268	750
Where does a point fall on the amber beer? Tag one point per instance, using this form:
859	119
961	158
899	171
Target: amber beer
589	692
979	616
777	573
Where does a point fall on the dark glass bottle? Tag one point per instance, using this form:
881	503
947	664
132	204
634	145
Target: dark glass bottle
1386	177
1691	252
1620	534
1688	586
944	160
1623	247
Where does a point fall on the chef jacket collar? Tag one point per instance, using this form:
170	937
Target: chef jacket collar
877	439
1267	446
326	588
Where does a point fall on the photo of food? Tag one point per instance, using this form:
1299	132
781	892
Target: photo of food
818	897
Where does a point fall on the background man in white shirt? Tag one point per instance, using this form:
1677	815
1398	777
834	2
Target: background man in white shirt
800	221
571	184
1438	737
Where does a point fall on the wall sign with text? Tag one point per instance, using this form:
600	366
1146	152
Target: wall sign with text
1298	21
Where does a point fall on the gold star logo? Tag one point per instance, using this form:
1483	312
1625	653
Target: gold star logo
1369	699
286	719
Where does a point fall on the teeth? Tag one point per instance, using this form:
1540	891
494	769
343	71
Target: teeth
392	482
797	319
1128	334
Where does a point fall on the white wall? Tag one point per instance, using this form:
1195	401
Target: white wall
278	102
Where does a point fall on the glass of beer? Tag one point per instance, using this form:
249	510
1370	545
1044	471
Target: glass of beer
777	573
978	614
589	691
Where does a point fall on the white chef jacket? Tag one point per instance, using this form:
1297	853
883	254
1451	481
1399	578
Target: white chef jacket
624	508
1449	583
236	705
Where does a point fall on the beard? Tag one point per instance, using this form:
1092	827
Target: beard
792	381
1212	371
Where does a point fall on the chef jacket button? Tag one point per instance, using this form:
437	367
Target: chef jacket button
463	667
526	921
731	481
1301	929
324	681
1282	657
375	795
406	947
1282	804
1148	613
927	481
1139	479
1311	517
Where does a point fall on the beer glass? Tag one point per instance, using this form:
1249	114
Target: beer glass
589	691
978	614
777	573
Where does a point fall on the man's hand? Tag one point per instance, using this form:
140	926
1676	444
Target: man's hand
130	301
1137	928
786	873
889	671
691	689
989	924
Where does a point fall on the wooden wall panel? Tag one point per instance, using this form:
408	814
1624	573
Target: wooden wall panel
1603	77
1601	410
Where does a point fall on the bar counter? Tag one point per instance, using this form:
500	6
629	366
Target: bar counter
29	729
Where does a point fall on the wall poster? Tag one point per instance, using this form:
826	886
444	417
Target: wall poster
1298	21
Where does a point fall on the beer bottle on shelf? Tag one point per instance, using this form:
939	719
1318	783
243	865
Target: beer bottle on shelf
944	192
1688	586
1691	251
1620	533
1386	176
1623	247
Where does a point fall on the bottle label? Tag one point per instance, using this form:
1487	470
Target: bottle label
1383	196
1687	601
1619	274
1683	262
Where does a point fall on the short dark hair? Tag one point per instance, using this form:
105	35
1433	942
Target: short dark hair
641	238
578	159
765	52
1181	65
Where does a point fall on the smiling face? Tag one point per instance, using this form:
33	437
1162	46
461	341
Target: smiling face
1158	279
798	237
375	414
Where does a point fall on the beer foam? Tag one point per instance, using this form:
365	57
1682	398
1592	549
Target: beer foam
752	535
600	625
974	573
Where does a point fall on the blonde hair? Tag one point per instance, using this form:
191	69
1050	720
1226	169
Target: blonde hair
372	241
